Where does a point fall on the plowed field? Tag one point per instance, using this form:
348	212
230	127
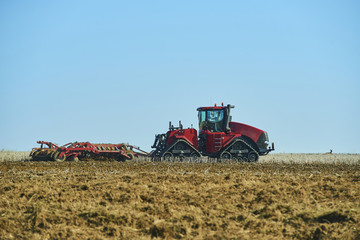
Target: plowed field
144	200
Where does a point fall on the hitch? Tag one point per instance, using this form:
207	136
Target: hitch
272	148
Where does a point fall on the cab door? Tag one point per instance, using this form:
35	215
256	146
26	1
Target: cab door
214	141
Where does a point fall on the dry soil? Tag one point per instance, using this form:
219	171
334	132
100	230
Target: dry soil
272	199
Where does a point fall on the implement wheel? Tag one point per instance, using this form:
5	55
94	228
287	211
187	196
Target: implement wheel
73	159
34	156
131	156
57	158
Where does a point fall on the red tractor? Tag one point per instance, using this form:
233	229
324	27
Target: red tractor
218	137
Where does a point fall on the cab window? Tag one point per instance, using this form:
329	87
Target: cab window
211	120
202	120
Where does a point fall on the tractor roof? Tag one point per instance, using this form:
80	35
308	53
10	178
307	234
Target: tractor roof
211	108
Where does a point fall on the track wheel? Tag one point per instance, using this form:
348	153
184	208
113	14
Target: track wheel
253	156
240	159
182	158
180	146
155	159
225	156
57	158
194	157
168	156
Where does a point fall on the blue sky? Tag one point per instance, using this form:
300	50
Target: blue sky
118	71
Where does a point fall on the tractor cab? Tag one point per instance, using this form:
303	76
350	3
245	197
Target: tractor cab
214	129
214	119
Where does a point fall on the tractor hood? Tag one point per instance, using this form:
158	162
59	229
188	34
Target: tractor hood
259	136
249	131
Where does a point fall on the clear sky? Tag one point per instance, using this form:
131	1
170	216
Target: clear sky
118	71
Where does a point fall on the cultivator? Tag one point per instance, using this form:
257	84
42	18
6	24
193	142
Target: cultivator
84	150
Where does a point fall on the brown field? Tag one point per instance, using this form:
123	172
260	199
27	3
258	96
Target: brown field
291	196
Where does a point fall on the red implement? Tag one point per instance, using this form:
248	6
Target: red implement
76	151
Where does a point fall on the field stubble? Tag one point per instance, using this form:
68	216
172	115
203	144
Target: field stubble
275	198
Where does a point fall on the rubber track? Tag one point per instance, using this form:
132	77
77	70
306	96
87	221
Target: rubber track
241	140
181	140
188	159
